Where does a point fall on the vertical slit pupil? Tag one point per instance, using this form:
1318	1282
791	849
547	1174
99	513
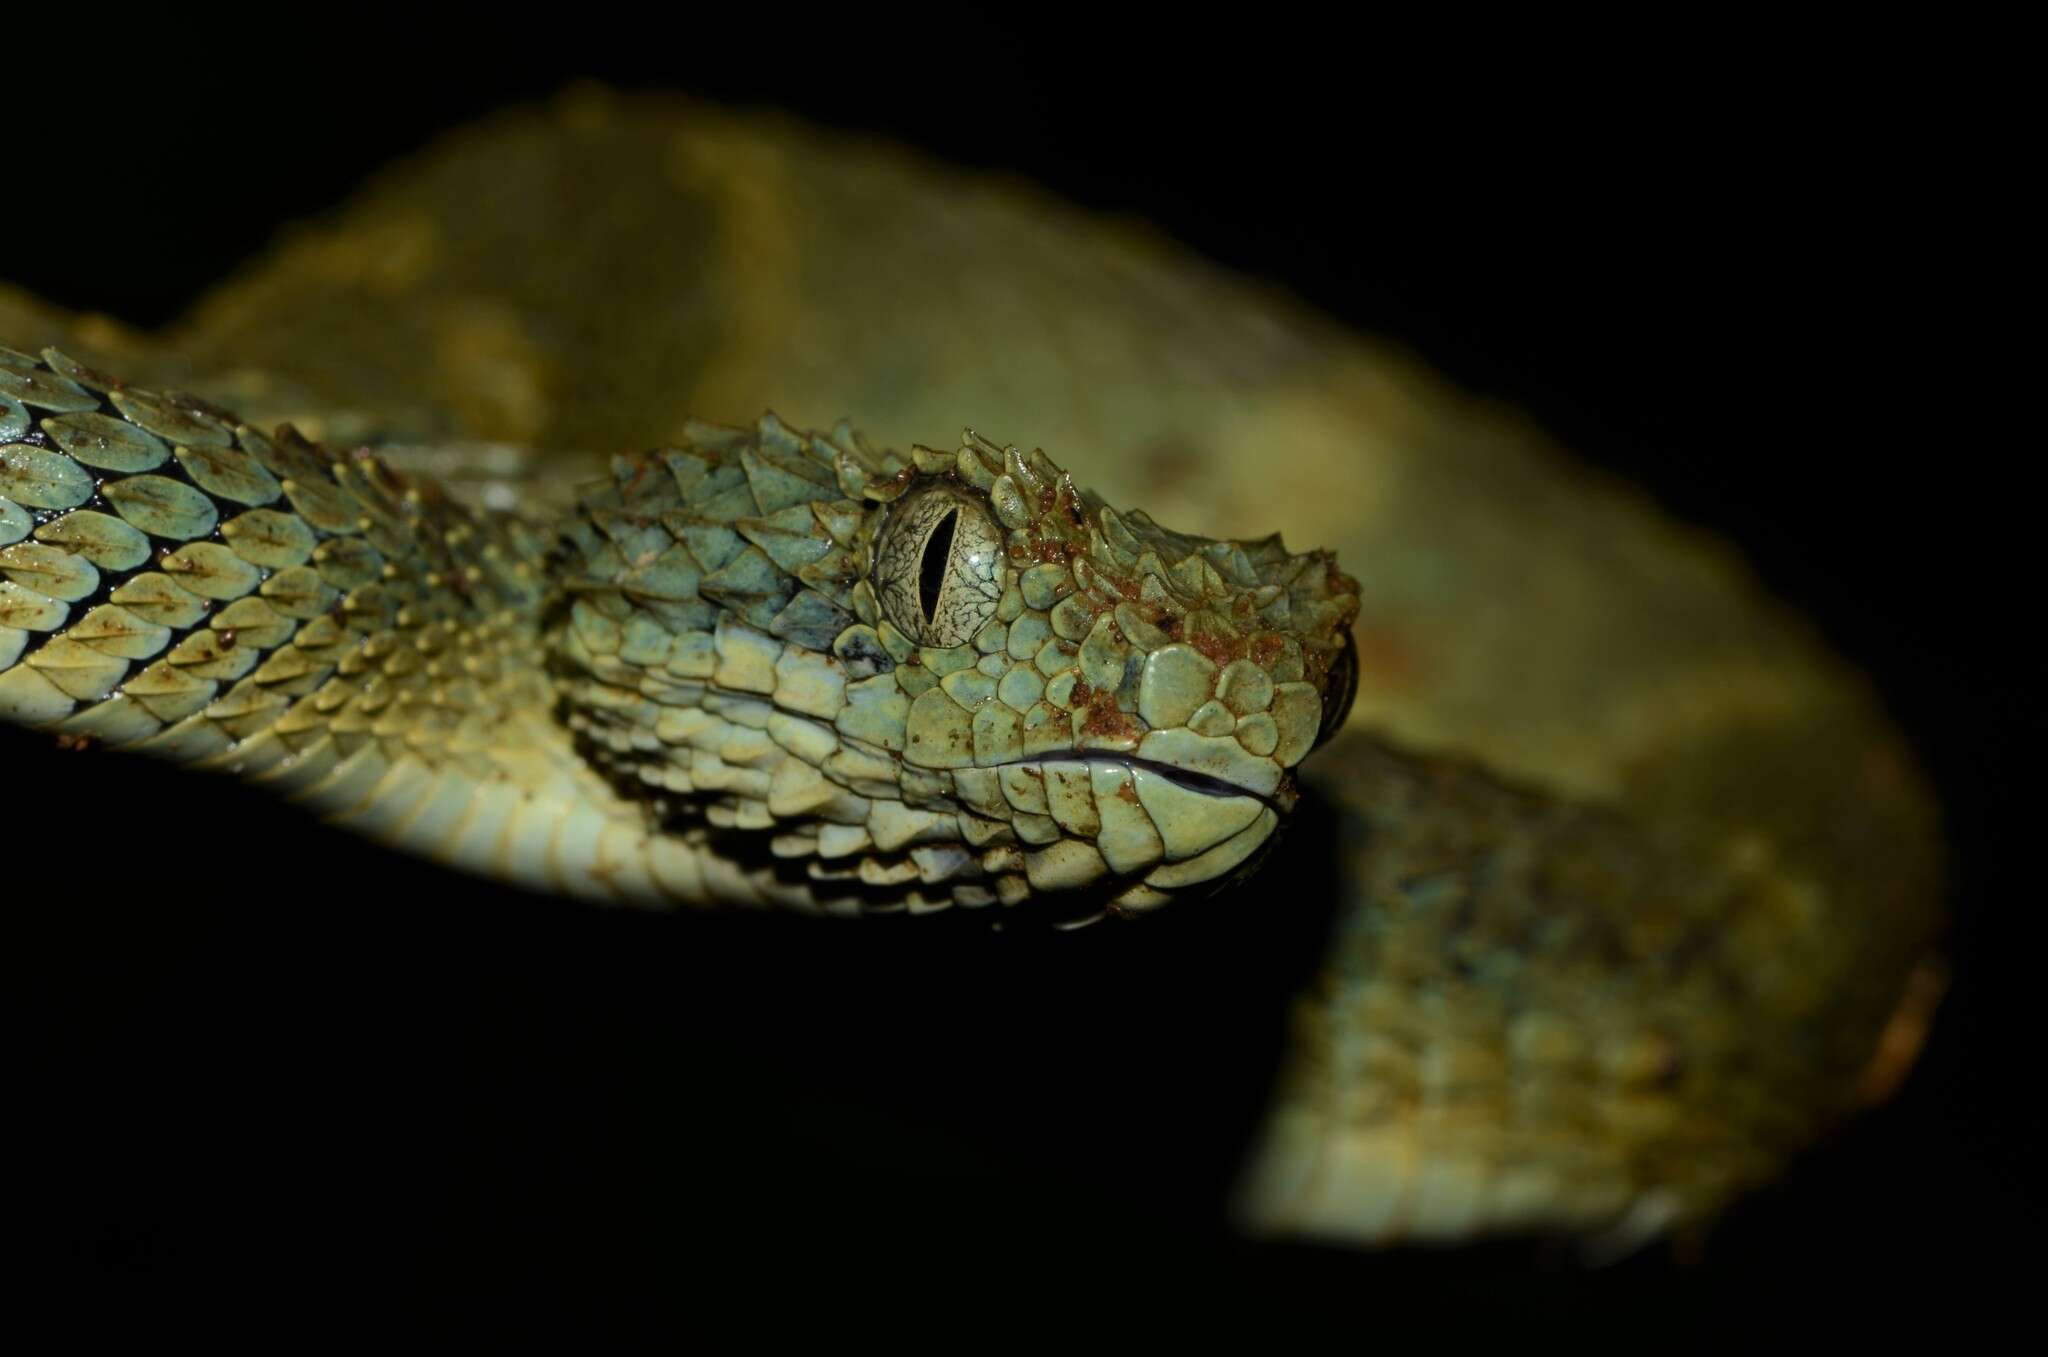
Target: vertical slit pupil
931	575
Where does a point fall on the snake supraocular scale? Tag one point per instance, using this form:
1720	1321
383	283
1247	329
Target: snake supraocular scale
1625	937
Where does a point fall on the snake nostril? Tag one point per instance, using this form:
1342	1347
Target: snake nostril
1339	688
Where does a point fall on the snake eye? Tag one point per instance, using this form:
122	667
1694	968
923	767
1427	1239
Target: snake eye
938	571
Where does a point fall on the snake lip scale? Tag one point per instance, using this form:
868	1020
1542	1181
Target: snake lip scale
1281	800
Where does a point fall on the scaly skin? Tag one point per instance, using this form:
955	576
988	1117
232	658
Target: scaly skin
1624	933
1110	719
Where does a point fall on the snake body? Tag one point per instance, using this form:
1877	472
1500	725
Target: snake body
1636	879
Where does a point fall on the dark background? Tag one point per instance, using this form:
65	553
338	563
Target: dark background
263	1060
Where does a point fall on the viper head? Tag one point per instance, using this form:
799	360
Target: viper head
951	678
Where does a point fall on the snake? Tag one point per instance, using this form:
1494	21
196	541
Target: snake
457	520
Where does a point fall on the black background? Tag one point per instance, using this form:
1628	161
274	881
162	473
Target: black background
263	1062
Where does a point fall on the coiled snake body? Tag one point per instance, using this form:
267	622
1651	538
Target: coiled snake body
1636	876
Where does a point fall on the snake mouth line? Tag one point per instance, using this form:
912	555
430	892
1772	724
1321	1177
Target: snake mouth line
1280	801
1206	784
